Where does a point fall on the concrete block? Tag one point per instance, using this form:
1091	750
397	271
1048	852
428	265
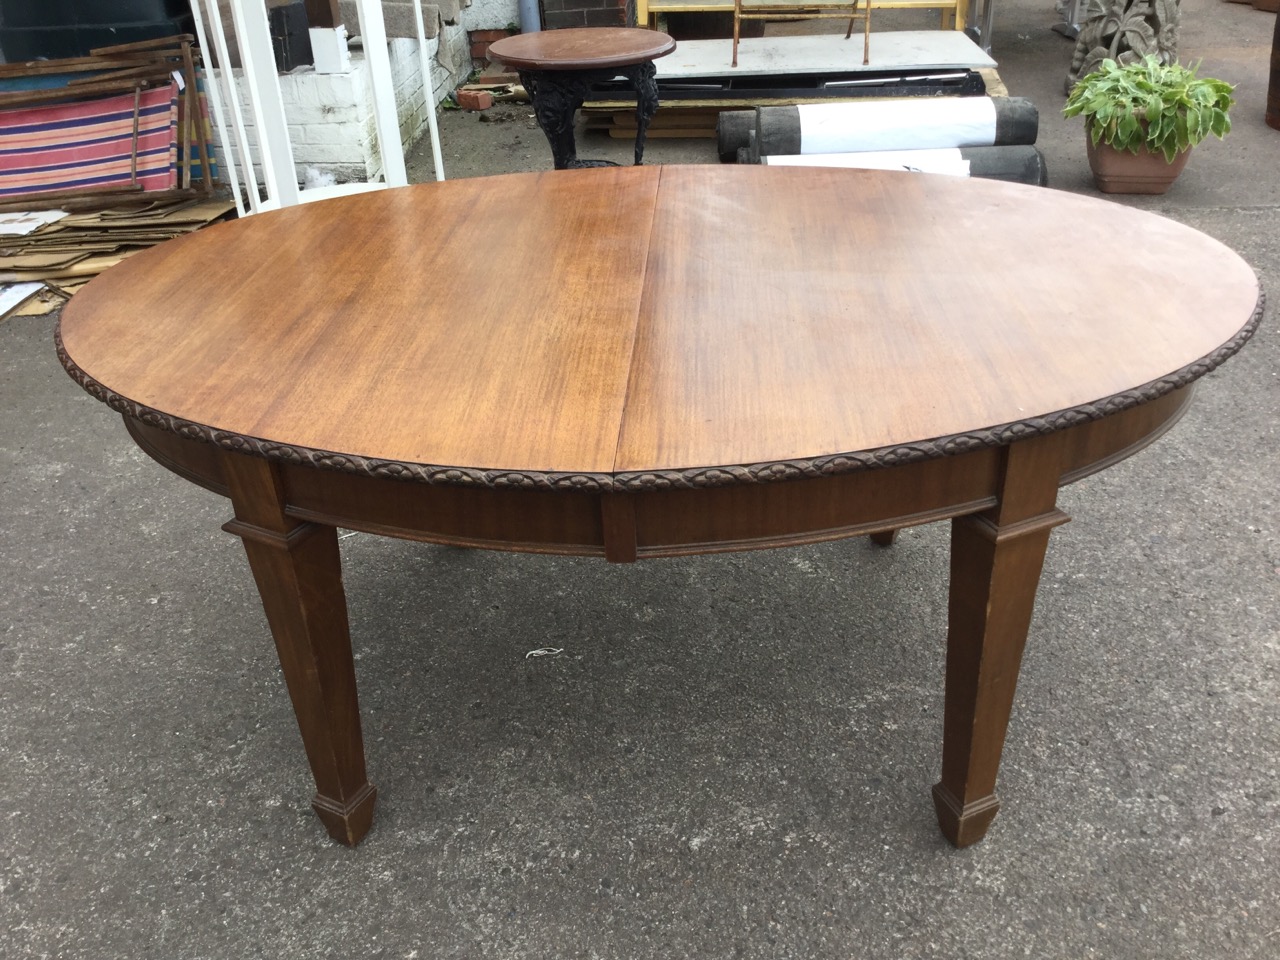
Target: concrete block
399	18
431	18
335	87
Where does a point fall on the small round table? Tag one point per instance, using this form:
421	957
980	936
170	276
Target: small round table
559	67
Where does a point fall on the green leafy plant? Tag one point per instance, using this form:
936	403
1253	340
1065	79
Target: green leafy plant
1162	106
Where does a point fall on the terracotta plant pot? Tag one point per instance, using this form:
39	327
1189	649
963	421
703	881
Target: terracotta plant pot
1119	171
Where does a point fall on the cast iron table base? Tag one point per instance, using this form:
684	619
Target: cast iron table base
559	68
557	95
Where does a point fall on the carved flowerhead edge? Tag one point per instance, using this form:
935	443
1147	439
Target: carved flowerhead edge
770	472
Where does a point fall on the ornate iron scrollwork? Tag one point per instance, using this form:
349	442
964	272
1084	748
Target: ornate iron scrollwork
557	95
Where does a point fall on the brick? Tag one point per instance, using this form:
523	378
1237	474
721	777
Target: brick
604	18
475	99
487	36
564	18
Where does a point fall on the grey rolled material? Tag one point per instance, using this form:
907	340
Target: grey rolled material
1017	121
733	131
896	125
1017	163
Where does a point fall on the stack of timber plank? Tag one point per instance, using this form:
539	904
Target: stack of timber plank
670	122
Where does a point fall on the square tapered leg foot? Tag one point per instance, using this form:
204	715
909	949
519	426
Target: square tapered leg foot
347	823
963	824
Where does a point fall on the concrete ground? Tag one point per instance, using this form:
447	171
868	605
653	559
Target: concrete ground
733	755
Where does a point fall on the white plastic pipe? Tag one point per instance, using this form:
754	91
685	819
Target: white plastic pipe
917	123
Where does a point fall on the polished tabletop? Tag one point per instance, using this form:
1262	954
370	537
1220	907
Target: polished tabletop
581	48
622	324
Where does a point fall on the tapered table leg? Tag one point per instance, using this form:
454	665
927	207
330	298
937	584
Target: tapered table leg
996	559
299	576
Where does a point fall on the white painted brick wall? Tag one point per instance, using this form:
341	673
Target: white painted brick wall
331	118
490	14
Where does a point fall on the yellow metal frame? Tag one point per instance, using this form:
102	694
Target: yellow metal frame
954	12
851	10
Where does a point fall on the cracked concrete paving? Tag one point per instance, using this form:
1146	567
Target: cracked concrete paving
731	758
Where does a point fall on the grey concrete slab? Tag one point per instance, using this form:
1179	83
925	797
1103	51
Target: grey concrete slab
732	756
822	53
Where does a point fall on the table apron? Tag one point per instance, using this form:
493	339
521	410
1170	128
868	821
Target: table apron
628	525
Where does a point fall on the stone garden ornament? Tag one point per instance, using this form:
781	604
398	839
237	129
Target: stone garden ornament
1125	31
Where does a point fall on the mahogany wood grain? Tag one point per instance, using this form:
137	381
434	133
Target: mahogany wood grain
821	326
299	576
996	558
581	48
488	325
644	362
678	521
860	324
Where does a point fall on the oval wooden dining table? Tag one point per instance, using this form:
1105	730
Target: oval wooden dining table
646	362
